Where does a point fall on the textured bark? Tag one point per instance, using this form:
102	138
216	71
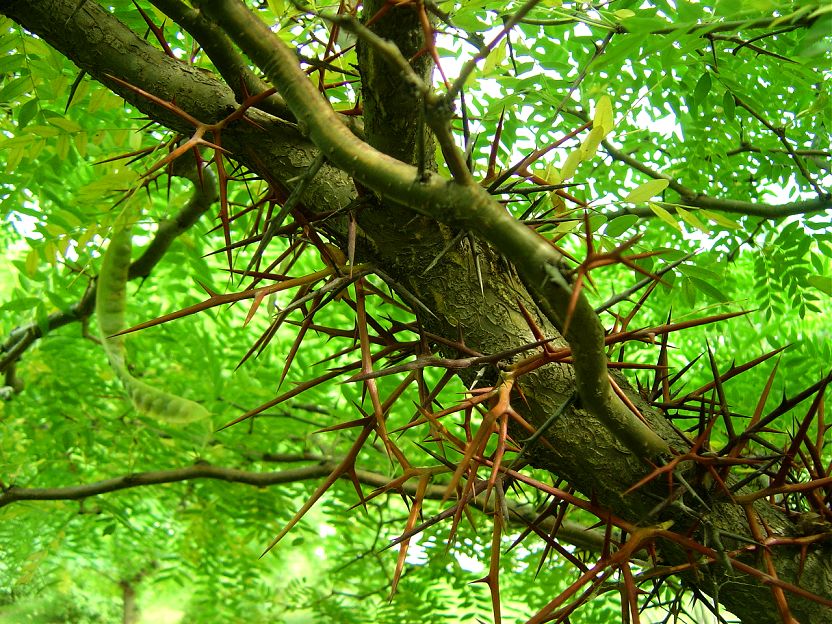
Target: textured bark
393	120
404	244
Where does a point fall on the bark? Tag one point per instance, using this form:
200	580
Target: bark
130	608
404	244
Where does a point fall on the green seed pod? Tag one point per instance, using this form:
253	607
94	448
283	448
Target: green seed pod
110	304
111	294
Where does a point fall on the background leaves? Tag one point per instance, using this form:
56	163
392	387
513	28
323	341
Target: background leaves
675	103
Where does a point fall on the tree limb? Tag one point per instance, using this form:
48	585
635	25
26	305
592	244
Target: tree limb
798	20
690	197
751	209
571	532
229	63
467	206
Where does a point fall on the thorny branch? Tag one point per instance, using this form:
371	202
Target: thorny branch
496	401
460	204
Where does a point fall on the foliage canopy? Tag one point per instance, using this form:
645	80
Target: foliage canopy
535	293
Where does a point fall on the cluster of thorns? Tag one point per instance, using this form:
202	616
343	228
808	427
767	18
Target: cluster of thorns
795	476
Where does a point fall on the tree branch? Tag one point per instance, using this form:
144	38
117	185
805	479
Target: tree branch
751	209
798	20
220	50
810	153
464	206
571	532
689	197
13	494
780	133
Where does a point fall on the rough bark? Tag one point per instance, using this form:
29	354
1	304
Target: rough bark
404	244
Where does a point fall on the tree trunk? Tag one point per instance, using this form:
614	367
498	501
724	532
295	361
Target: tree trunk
130	609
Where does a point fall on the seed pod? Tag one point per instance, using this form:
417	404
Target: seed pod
110	304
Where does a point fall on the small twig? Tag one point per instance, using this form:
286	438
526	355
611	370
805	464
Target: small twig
780	133
488	48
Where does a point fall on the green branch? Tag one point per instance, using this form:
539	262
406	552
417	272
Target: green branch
467	207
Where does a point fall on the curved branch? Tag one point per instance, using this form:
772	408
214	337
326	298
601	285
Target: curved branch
797	21
205	193
15	494
218	47
751	209
466	206
810	153
689	197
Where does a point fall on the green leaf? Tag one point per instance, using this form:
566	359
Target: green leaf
277	7
688	293
619	225
23	303
591	143
647	190
703	87
65	124
728	105
495	59
596	221
14	88
720	219
709	289
701	272
664	215
571	165
27	112
692	220
822	282
603	116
